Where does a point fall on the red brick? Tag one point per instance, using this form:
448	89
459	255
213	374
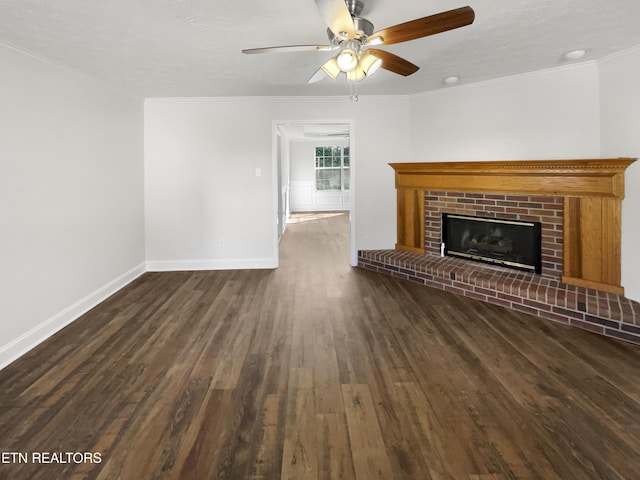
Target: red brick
485	291
529	218
525	309
622	335
522	211
550	220
511	298
530	205
541	212
587	326
477	296
568	313
498	301
495	209
537	305
456	290
555	317
540	199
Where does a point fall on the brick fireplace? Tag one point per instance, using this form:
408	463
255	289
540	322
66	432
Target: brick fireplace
546	210
568	290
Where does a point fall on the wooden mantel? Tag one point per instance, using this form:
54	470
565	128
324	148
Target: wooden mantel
592	189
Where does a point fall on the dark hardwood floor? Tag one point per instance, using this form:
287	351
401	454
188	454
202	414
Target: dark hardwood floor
318	370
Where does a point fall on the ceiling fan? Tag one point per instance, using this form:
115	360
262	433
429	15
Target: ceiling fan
354	38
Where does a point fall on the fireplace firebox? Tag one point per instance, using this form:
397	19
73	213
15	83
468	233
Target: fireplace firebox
510	243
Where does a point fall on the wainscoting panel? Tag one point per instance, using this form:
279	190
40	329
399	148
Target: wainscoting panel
305	198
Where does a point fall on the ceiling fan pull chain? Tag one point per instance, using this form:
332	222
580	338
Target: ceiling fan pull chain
353	96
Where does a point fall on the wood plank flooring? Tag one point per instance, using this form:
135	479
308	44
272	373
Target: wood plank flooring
318	370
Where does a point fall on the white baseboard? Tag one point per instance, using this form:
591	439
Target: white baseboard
213	264
320	208
25	342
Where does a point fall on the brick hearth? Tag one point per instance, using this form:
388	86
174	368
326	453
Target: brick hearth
541	295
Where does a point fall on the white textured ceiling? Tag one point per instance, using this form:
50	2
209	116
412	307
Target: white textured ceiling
158	48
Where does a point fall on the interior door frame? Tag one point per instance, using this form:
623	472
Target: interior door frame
353	253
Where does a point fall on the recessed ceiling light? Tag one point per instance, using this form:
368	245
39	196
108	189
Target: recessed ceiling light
451	80
575	54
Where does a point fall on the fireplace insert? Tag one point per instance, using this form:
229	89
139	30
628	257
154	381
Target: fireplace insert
510	243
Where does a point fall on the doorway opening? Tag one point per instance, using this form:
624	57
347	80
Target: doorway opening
314	172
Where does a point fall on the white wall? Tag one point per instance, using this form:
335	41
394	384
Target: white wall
542	115
71	203
71	209
205	208
620	117
302	158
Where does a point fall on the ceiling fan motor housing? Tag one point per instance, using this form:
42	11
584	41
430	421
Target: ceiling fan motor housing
355	7
362	26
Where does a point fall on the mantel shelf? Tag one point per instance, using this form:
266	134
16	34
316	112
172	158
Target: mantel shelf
592	189
578	178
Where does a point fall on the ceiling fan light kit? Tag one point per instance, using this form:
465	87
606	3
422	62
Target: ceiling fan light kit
370	63
355	75
348	57
354	36
331	68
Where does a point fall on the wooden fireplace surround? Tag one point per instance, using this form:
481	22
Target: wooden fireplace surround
592	191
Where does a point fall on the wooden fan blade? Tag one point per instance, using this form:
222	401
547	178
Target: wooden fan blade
290	48
336	15
423	27
394	63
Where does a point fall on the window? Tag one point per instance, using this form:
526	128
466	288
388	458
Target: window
332	168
